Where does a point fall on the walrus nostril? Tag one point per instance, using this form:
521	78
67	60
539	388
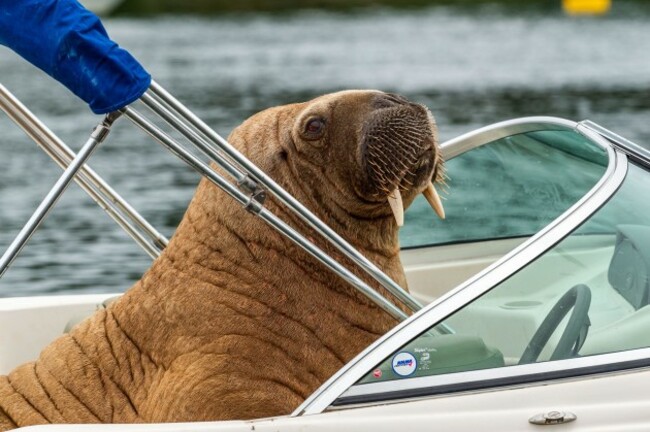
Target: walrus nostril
399	99
390	100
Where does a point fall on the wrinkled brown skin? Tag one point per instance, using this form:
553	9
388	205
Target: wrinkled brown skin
232	321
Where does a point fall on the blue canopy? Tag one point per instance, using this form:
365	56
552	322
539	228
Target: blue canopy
71	45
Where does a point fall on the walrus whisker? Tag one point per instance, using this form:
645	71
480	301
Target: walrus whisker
385	157
408	182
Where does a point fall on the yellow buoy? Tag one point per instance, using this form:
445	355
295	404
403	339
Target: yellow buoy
586	7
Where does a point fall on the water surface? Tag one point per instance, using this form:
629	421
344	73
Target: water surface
471	67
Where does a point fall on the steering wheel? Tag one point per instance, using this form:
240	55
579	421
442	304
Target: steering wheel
575	333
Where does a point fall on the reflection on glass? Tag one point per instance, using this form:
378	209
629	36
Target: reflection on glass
508	188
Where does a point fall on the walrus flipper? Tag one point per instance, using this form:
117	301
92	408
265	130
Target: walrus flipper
5	421
69	383
14	405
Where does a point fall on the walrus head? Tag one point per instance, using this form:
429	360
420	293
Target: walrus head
366	153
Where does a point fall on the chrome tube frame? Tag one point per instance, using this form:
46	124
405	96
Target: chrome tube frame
137	227
633	150
476	138
253	205
252	184
504	376
341	383
248	191
163	104
97	137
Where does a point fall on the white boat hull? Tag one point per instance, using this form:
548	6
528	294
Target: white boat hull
30	323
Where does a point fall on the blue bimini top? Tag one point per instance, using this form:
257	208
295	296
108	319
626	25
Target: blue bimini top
70	44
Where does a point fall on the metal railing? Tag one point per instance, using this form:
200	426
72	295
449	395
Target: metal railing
247	184
143	233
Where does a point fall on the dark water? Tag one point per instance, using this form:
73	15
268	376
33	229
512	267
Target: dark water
471	68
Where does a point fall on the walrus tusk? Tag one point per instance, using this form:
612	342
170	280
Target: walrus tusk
432	196
395	201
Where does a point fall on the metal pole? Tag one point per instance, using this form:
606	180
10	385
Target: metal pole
157	105
108	199
258	209
97	137
300	210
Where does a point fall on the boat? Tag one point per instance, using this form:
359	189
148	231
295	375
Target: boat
531	312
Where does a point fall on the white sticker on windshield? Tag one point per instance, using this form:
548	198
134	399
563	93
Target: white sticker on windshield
404	364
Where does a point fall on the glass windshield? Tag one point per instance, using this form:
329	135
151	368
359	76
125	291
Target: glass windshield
510	187
588	295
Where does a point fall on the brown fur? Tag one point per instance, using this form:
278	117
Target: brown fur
232	321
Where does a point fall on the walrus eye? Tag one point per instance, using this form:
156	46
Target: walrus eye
314	129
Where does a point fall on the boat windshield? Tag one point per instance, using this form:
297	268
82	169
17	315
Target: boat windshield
587	295
510	187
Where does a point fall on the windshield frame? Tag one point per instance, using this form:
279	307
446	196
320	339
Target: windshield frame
340	386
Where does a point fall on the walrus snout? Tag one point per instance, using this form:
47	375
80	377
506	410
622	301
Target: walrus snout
398	139
399	151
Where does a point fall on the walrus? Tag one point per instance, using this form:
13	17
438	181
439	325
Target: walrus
233	321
